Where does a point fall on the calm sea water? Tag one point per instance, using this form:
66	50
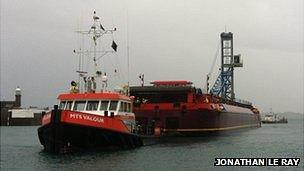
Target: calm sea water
21	150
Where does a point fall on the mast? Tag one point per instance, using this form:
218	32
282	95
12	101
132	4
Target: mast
95	32
128	54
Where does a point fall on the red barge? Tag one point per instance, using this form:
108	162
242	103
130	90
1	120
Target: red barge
177	107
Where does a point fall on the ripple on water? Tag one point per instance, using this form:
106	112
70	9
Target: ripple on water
21	150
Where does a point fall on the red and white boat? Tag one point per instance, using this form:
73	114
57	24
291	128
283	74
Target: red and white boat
93	118
89	120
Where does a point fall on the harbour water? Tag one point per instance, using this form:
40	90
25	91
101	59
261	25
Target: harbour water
21	150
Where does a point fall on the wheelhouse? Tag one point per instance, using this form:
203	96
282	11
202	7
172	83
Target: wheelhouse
104	104
108	104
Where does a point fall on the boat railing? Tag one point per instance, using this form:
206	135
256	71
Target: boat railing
243	101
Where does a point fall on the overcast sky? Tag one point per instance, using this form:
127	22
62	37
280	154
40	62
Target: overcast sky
168	39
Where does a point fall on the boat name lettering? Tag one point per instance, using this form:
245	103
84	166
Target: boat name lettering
86	117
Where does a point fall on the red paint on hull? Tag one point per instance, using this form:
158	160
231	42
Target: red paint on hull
84	119
197	120
91	120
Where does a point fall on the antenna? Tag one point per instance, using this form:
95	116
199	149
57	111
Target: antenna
95	32
142	79
128	52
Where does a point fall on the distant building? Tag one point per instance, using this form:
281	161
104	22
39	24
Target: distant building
8	105
12	113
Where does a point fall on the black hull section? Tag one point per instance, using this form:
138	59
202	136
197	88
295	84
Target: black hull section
69	138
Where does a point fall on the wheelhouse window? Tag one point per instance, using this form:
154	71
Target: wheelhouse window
79	105
125	107
62	104
121	107
128	107
92	105
104	105
69	105
113	105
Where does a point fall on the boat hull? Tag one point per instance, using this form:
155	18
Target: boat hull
194	122
61	134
